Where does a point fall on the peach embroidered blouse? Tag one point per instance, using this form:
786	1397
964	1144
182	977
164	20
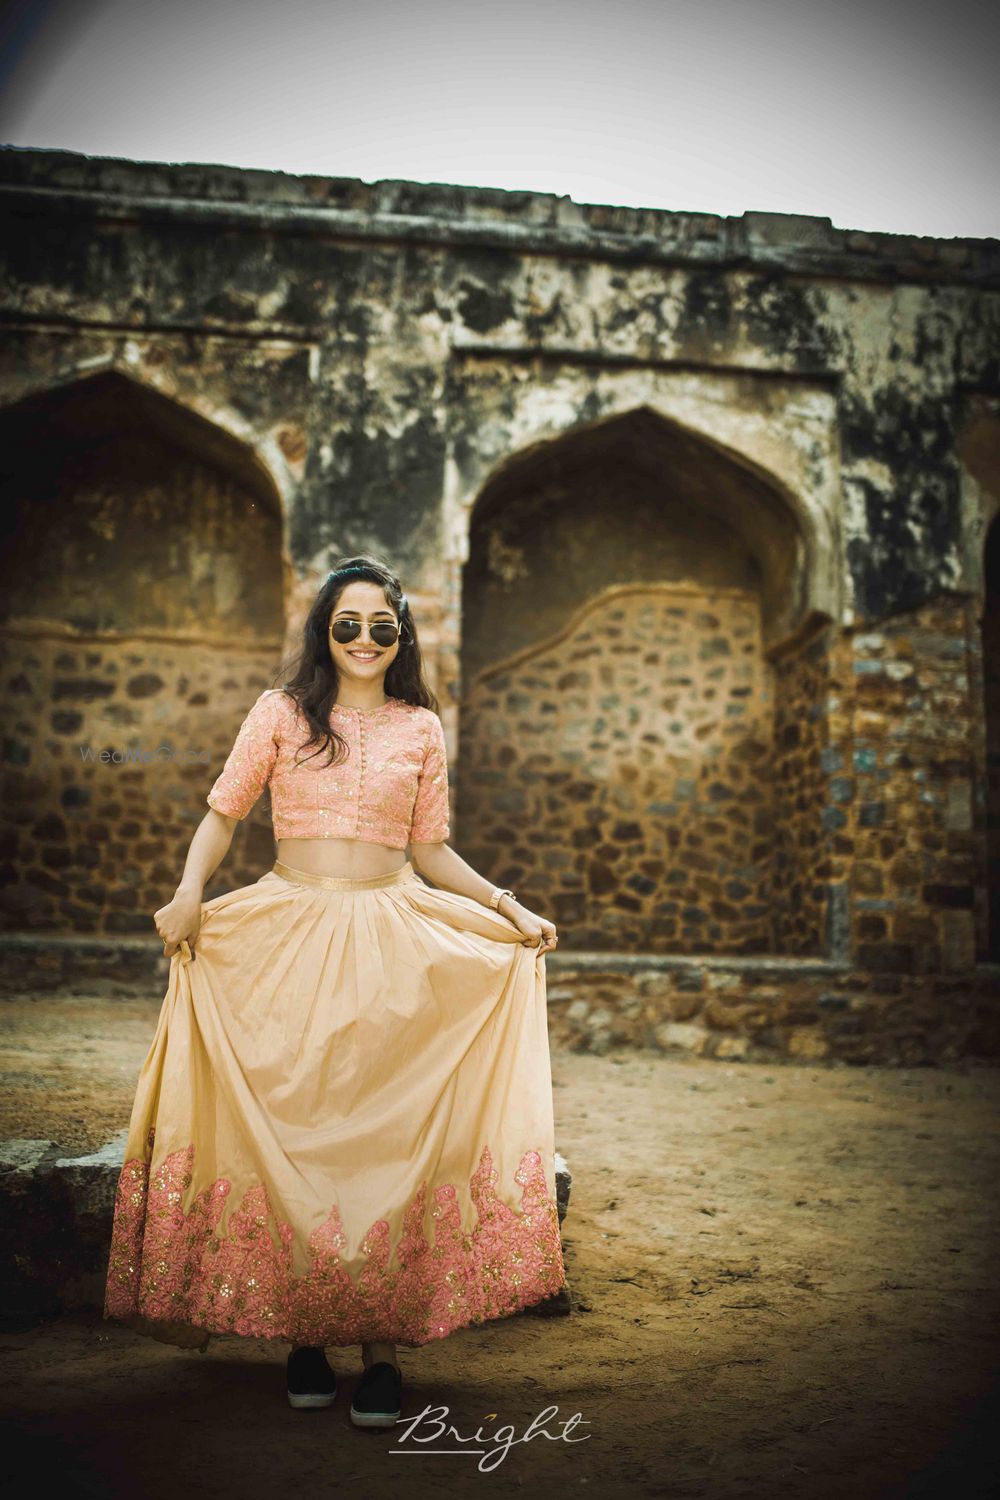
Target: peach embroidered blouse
392	788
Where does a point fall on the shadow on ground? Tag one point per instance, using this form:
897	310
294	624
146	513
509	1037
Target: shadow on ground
783	1281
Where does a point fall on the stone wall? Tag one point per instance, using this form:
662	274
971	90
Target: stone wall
913	810
809	911
144	604
771	444
110	755
984	686
772	1011
620	777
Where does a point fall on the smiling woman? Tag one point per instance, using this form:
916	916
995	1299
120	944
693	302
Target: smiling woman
343	1129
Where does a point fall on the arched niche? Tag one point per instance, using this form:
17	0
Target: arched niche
143	611
630	757
106	478
684	509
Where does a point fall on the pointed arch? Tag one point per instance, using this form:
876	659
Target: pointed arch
627	739
143	589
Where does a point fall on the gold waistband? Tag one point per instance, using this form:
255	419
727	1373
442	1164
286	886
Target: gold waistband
343	882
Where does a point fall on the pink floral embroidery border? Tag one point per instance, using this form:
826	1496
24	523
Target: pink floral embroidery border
174	1267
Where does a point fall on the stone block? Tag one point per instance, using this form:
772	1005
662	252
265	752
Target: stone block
683	1006
733	1047
807	1045
722	1017
686	1038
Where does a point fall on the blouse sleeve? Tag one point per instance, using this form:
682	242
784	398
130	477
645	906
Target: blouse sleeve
430	810
250	762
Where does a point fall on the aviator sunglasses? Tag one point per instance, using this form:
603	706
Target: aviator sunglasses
383	632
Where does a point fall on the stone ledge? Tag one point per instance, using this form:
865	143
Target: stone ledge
49	961
630	963
53	960
773	1010
55	1228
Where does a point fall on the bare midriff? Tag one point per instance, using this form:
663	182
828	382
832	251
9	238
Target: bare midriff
354	859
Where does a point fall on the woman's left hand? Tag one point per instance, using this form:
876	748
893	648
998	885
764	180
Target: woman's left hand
538	931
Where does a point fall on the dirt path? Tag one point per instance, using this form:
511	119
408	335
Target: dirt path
784	1284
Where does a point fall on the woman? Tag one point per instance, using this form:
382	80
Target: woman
342	1132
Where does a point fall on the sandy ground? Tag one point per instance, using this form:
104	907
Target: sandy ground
783	1285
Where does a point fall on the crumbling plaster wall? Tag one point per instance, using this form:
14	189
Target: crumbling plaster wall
388	353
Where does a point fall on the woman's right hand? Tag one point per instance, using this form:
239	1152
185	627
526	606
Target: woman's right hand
179	921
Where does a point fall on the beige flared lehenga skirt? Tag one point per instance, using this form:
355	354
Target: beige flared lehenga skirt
343	1129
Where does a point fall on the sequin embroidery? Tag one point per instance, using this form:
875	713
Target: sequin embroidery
392	789
176	1267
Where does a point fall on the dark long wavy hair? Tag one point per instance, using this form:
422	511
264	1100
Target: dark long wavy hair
315	681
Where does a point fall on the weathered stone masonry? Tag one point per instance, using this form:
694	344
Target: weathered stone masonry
696	514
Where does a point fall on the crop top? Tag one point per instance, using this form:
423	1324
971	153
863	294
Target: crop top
392	788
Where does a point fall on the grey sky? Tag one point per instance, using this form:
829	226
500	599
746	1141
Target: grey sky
880	114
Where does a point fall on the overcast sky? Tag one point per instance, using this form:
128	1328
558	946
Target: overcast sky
880	114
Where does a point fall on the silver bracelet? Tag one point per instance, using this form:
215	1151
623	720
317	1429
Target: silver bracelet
498	895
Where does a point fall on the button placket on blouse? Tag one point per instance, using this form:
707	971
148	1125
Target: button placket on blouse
374	744
333	791
361	774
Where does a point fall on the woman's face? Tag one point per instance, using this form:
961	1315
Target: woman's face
362	660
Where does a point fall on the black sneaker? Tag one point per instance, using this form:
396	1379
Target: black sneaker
310	1380
377	1396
